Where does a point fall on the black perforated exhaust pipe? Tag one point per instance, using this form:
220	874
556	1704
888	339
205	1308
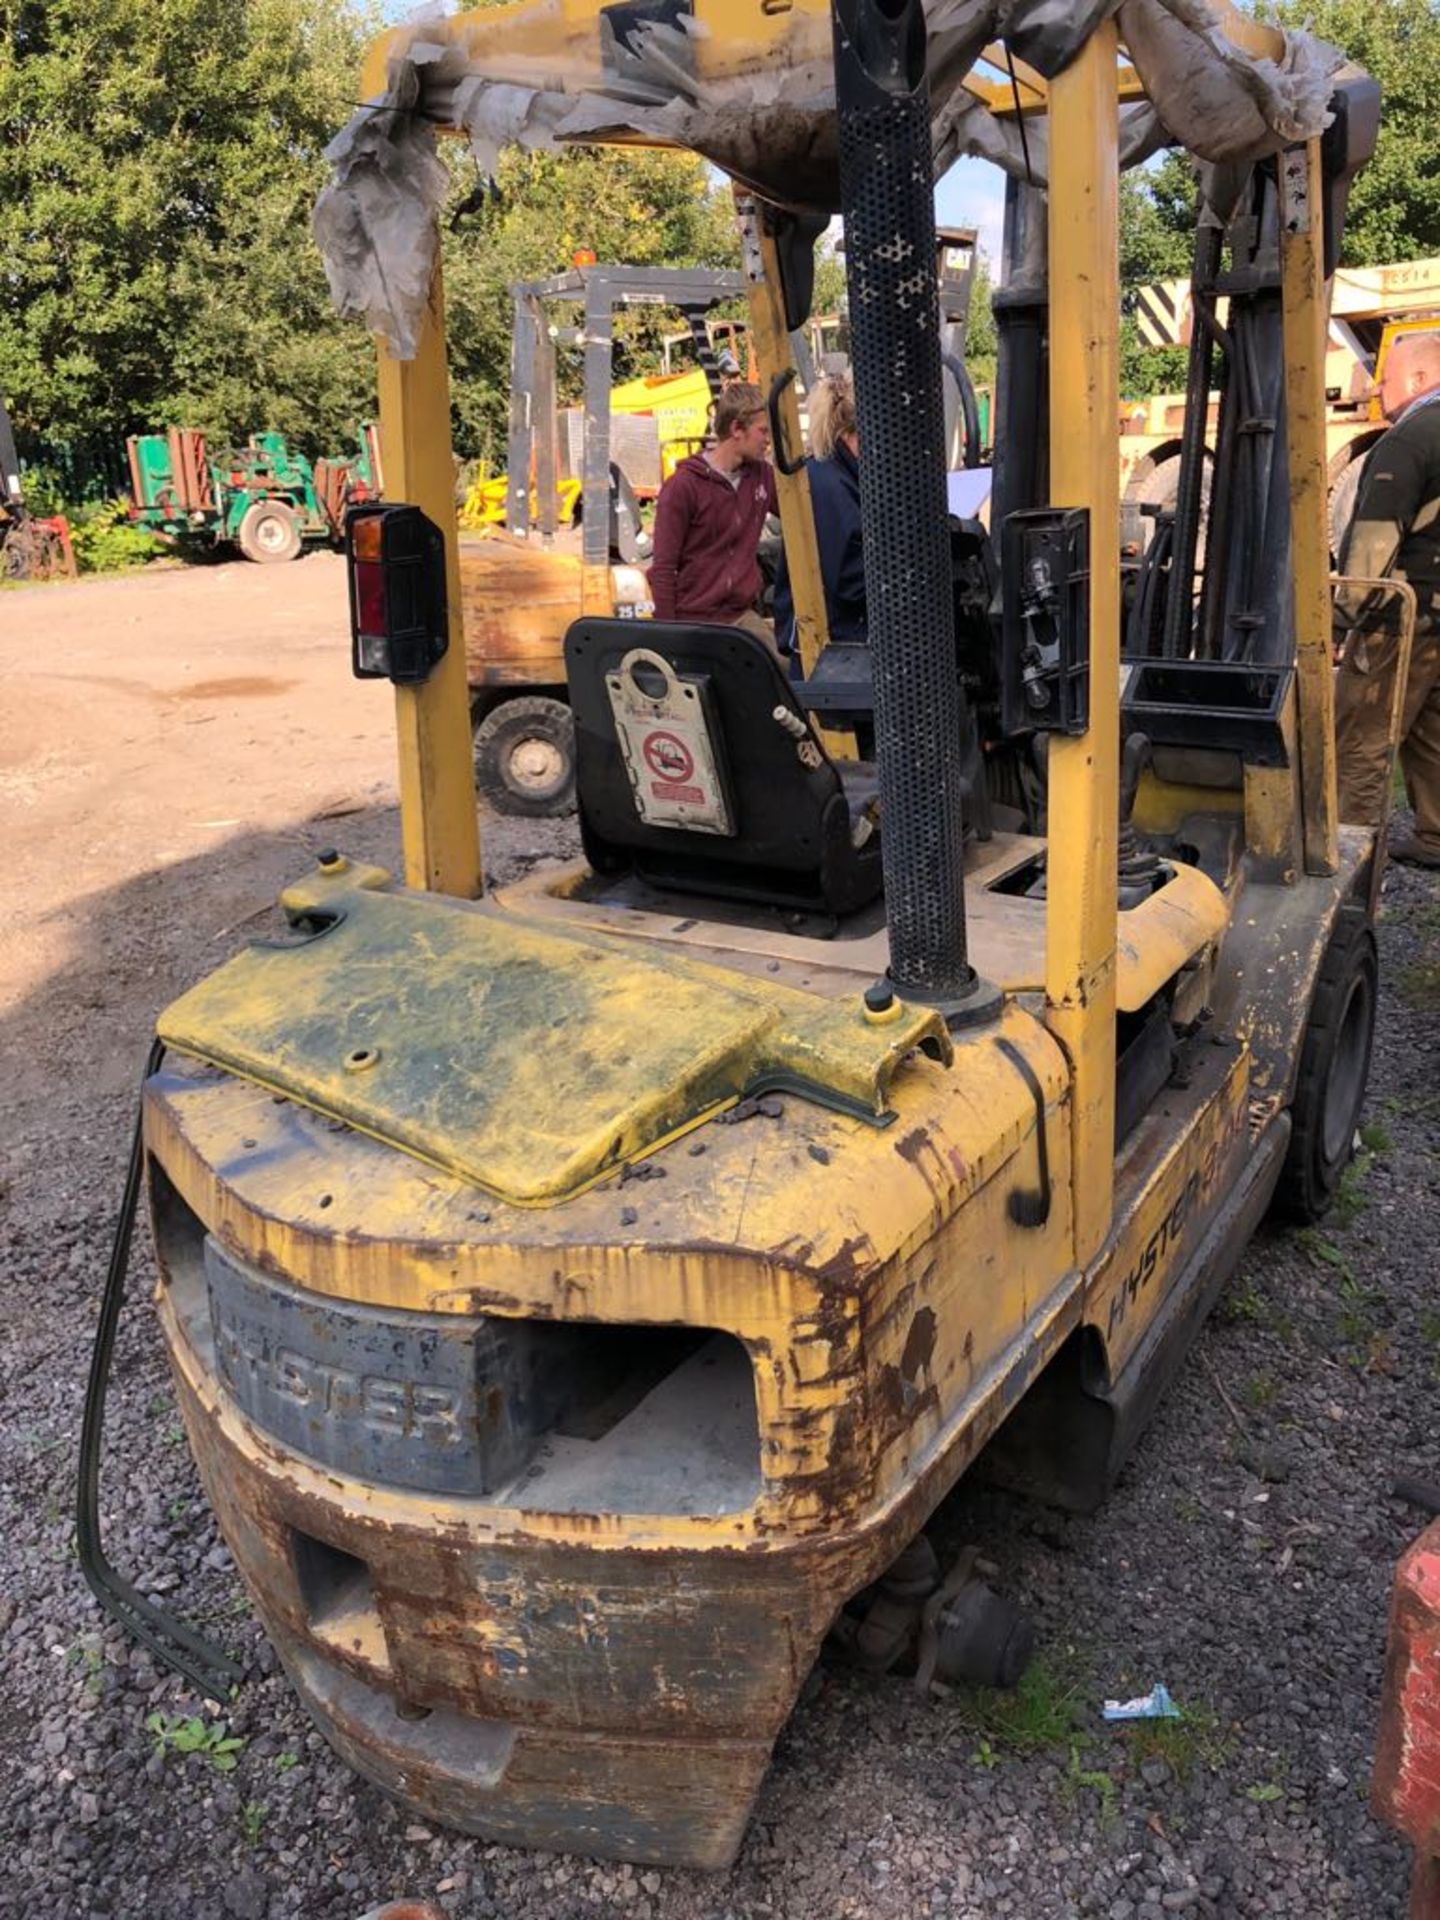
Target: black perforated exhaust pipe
887	197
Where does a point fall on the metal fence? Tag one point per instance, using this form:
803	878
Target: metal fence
80	471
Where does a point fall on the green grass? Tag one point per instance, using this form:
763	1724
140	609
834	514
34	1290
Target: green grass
88	1658
1243	1301
1356	1302
1196	1739
1419	983
252	1821
1094	1780
1042	1711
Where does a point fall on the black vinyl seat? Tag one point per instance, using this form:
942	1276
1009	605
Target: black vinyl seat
686	777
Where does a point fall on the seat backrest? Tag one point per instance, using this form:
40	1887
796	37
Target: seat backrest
697	769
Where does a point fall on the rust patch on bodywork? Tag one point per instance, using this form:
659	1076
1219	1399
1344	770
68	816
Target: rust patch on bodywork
919	1343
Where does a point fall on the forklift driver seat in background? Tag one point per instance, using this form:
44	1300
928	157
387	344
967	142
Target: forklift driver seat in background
697	770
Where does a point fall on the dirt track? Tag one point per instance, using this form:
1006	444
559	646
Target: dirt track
174	743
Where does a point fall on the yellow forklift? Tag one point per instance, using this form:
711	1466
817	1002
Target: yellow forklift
523	583
581	1297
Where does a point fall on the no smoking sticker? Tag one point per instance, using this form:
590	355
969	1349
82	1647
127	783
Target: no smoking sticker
664	734
668	759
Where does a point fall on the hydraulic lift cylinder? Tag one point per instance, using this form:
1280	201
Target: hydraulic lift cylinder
887	196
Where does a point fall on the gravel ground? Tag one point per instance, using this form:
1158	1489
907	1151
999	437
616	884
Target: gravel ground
1260	1603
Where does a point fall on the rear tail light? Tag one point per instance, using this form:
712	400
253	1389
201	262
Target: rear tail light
398	625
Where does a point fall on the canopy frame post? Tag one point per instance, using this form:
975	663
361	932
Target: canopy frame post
439	828
1080	925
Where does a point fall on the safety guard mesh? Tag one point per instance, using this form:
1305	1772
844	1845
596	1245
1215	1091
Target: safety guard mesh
886	186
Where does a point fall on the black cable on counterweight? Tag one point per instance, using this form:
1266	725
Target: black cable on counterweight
189	1653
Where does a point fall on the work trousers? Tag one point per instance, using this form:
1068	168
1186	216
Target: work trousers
1363	692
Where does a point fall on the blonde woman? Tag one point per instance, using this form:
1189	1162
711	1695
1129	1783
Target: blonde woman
834	468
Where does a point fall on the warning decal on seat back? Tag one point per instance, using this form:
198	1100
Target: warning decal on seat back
664	734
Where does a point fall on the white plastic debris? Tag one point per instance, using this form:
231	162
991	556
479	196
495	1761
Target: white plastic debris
1155	1705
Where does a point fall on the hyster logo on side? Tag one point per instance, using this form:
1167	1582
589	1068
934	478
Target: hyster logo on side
1194	1190
404	1409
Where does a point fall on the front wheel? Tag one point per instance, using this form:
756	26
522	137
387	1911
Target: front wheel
525	757
1334	1066
269	532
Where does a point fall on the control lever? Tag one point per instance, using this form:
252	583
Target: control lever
1138	866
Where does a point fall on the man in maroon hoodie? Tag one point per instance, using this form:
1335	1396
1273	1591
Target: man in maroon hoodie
709	519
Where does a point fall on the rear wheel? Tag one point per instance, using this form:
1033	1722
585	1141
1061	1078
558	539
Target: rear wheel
1158	486
269	532
525	757
1334	1066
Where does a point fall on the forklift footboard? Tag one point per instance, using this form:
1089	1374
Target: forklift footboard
1133	1395
1068	1439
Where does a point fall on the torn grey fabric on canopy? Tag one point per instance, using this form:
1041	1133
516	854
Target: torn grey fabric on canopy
761	109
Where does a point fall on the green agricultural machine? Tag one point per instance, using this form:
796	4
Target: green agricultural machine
262	498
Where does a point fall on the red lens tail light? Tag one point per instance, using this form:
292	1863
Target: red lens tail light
398	623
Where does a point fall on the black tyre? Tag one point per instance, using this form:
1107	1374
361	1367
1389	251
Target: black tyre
1160	487
1334	1066
525	757
269	532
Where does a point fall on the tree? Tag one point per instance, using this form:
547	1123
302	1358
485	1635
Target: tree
1395	202
161	164
641	208
1157	242
163	158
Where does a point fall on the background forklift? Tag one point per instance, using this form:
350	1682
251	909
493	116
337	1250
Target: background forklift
580	1299
521	586
518	605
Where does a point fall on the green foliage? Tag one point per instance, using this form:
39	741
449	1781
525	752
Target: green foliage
1196	1738
1157	221
285	1761
86	1655
1264	1791
1093	1778
1419	981
1042	1711
161	165
981	340
1157	241
640	208
1395	203
1394	209
252	1821
105	542
173	1734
